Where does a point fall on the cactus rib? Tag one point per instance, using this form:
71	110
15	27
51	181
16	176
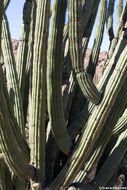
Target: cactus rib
98	38
23	45
54	72
81	120
75	41
12	81
95	125
109	23
9	145
112	162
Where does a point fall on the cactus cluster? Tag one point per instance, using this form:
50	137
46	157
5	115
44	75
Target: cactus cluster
66	136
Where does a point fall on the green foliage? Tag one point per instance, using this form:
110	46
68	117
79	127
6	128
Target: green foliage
50	137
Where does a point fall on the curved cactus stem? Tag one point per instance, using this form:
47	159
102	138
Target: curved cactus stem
105	135
98	38
11	75
112	162
9	145
95	125
120	9
109	23
75	41
37	112
23	45
54	72
81	120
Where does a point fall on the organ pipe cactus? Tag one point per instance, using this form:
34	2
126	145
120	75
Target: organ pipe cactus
38	129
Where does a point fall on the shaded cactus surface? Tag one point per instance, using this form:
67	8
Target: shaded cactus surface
57	122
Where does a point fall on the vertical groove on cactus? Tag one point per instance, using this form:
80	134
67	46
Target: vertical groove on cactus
110	19
13	155
95	125
116	155
23	45
121	125
98	38
54	73
75	42
106	133
37	112
121	25
120	8
81	120
71	91
11	75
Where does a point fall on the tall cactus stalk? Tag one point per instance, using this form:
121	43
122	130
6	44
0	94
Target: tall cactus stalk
37	114
54	71
11	75
75	41
48	141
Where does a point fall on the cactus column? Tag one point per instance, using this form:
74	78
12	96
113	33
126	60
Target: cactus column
37	111
54	77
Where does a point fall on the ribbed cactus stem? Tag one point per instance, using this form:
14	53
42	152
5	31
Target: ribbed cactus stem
75	42
81	120
23	45
105	135
13	155
37	112
98	38
112	162
95	125
11	75
121	25
71	92
121	125
54	73
110	19
120	8
87	5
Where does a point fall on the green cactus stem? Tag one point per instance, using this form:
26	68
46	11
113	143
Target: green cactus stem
9	145
81	120
23	45
37	112
112	162
120	9
71	91
54	73
87	5
98	38
109	23
121	125
11	75
105	135
121	25
75	42
94	126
